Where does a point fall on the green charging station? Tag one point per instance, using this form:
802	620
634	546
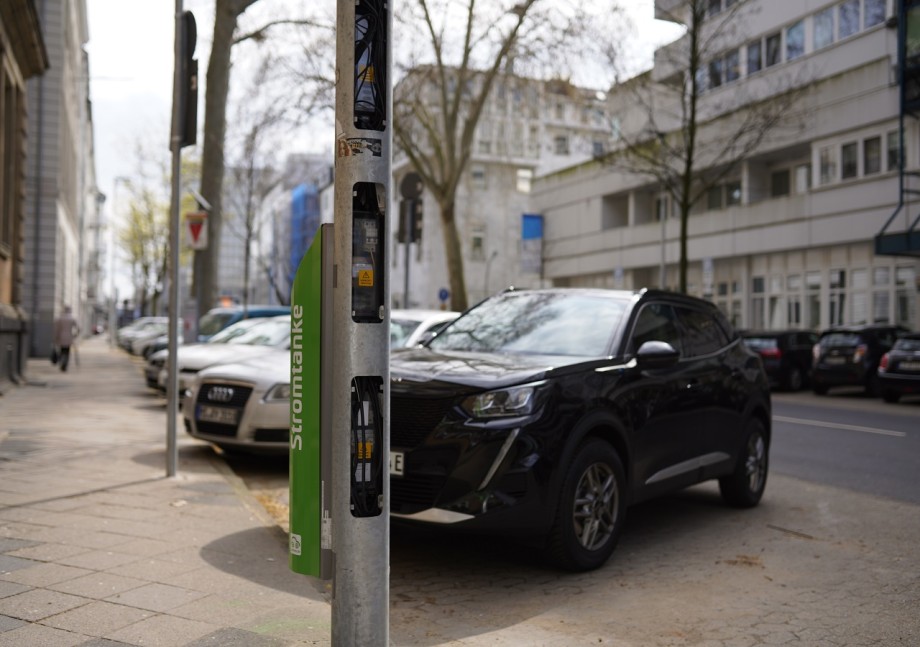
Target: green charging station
310	446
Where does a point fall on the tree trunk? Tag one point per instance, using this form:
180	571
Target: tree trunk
454	256
226	14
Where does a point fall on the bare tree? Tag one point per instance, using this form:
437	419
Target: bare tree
439	102
687	142
253	172
227	34
145	239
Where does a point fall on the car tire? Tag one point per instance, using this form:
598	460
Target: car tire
890	396
744	487
872	386
591	509
794	380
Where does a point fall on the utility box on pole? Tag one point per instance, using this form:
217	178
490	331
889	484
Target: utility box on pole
345	365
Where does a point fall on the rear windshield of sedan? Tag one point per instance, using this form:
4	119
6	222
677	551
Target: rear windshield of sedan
907	343
838	339
761	343
270	332
545	323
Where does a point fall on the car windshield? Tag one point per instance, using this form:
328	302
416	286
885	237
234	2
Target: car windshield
268	332
547	323
213	322
234	330
400	329
760	343
838	339
907	343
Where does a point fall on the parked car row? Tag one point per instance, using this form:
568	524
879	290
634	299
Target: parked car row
882	359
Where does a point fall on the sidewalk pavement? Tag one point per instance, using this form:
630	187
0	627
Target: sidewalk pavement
99	548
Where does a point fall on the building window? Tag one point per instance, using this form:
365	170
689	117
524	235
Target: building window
802	178
894	150
795	40
813	300
754	57
838	297
478	175
713	7
824	28
828	163
715	73
733	193
524	180
848	18
849	161
881	294
732	66
905	286
874	13
714	198
794	300
774	51
661	208
561	145
758	303
872	155
779	183
858	298
478	244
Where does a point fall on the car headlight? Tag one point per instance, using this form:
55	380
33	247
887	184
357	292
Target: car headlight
501	403
278	392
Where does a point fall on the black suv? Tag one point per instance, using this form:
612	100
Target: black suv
786	355
849	356
545	413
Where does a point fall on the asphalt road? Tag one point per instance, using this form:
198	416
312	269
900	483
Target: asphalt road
848	440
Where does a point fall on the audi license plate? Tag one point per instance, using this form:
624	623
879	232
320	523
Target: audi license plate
397	463
835	360
220	415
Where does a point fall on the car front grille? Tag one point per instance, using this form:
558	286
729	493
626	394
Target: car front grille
414	493
238	398
412	419
216	429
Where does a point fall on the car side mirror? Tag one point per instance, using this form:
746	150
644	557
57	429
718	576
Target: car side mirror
656	354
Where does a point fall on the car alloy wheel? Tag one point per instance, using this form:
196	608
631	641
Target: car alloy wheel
745	486
591	509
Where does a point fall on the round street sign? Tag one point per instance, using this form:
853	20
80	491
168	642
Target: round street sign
443	294
411	186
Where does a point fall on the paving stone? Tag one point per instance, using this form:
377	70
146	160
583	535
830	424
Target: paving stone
162	631
98	585
98	560
35	635
11	588
237	638
48	552
38	603
97	618
8	545
7	623
45	574
156	597
10	564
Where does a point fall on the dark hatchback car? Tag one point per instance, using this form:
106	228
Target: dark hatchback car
849	356
899	369
543	414
786	355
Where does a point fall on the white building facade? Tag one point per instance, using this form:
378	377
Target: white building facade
788	239
527	128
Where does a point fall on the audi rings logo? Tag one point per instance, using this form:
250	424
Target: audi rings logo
220	394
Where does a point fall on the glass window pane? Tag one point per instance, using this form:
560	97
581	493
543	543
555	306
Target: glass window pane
779	183
714	197
715	73
849	166
802	178
875	13
848	16
732	66
754	58
795	40
828	160
881	276
894	149
733	193
872	155
860	279
774	53
824	28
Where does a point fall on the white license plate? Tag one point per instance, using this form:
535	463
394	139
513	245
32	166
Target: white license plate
220	415
909	366
397	463
835	360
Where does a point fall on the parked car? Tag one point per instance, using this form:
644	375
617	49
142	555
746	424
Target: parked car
849	356
125	335
409	327
268	332
899	369
243	405
786	355
144	338
217	319
156	362
545	413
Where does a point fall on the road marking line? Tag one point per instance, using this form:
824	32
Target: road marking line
838	425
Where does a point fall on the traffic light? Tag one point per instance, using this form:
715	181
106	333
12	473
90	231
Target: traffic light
188	96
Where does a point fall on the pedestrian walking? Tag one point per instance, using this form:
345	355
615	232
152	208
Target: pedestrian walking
65	333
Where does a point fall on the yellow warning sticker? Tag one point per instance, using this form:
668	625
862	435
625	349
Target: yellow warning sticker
365	278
